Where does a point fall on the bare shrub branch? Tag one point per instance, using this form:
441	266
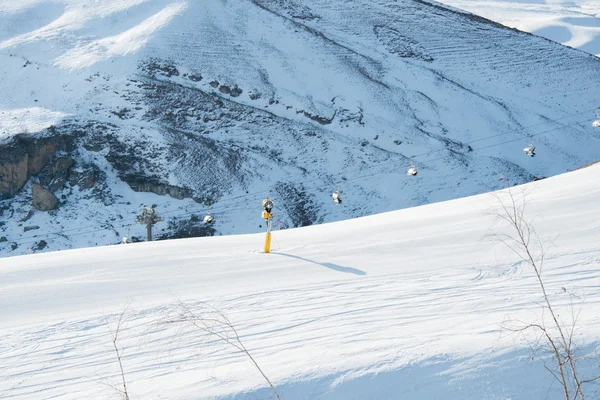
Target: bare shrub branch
214	322
526	244
114	333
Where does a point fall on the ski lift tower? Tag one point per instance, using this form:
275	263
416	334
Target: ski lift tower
148	217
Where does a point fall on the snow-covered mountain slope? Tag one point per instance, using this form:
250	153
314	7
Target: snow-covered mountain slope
415	303
182	103
574	23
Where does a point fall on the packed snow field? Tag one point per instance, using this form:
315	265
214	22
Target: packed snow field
418	303
574	23
230	102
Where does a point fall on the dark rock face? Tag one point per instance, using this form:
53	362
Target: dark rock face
42	244
156	67
27	156
154	185
188	228
31	228
54	175
43	199
85	179
301	208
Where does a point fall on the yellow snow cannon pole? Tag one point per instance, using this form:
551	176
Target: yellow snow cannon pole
268	243
268	216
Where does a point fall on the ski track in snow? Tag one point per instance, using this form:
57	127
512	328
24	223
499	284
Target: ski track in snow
409	303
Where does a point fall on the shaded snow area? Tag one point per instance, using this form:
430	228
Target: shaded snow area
209	107
574	23
420	303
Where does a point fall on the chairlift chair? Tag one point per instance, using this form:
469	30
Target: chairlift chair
412	171
336	196
208	218
337	199
530	150
596	123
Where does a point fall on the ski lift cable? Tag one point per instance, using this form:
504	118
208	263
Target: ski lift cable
259	194
434	151
379	165
221	204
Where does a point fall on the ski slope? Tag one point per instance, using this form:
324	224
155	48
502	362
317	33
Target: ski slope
574	23
187	103
405	304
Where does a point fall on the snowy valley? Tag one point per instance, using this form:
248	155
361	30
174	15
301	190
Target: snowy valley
212	106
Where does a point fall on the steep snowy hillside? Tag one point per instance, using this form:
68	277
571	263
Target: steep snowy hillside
185	104
417	303
574	23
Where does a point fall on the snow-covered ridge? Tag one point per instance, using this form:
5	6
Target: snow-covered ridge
403	304
191	104
572	23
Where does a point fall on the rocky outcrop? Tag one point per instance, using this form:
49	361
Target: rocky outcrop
13	173
43	199
27	156
85	179
153	185
54	174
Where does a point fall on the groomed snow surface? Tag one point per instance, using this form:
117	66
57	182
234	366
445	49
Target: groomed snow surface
412	304
574	23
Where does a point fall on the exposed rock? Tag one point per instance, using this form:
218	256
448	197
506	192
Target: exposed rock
236	92
41	245
54	175
13	173
321	120
224	89
187	228
214	84
3	239
26	156
299	205
156	67
123	113
195	77
14	245
29	215
43	199
31	228
153	185
84	179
